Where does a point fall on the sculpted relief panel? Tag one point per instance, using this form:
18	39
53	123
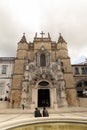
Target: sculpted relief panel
60	84
52	73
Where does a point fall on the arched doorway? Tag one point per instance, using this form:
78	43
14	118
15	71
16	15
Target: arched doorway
43	98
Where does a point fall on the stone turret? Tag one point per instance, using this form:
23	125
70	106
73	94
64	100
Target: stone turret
60	39
22	47
23	39
62	53
62	47
18	72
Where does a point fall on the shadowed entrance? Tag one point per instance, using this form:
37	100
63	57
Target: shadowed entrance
43	98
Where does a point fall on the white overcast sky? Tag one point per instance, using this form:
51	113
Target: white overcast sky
68	17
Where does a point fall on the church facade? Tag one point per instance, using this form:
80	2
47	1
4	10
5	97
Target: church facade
42	74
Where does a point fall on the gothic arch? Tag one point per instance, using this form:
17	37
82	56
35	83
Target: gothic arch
42	57
42	60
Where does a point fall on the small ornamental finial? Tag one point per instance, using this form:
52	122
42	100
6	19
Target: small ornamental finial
59	34
35	34
60	39
23	39
48	35
24	33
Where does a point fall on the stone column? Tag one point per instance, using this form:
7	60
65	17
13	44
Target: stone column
55	105
34	98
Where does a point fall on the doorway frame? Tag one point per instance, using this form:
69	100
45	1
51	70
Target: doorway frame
44	102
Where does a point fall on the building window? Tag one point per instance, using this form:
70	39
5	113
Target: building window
82	89
76	70
1	90
42	60
84	70
4	69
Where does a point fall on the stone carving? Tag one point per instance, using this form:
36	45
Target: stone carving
26	97
62	93
56	73
43	75
60	83
26	64
24	87
30	76
32	67
59	75
26	75
62	89
29	93
35	73
24	93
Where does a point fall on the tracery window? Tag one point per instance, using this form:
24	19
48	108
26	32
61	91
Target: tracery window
42	60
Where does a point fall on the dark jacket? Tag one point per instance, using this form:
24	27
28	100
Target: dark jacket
37	113
45	113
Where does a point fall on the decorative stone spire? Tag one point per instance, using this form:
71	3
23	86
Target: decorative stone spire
49	35
61	39
23	39
36	35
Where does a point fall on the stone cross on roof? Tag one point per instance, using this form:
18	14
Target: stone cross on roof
42	34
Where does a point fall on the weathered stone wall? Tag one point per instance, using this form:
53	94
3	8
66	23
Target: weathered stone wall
28	51
82	102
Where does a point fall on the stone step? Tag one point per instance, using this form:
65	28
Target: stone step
51	111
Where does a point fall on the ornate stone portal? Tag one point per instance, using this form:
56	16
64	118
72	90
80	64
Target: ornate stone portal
42	75
45	81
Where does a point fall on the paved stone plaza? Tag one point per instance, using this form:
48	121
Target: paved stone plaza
12	117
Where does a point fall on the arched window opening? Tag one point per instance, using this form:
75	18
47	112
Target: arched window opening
42	60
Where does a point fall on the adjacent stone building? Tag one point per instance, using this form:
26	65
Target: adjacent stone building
6	70
42	74
80	76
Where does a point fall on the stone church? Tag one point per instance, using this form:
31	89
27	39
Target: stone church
42	74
